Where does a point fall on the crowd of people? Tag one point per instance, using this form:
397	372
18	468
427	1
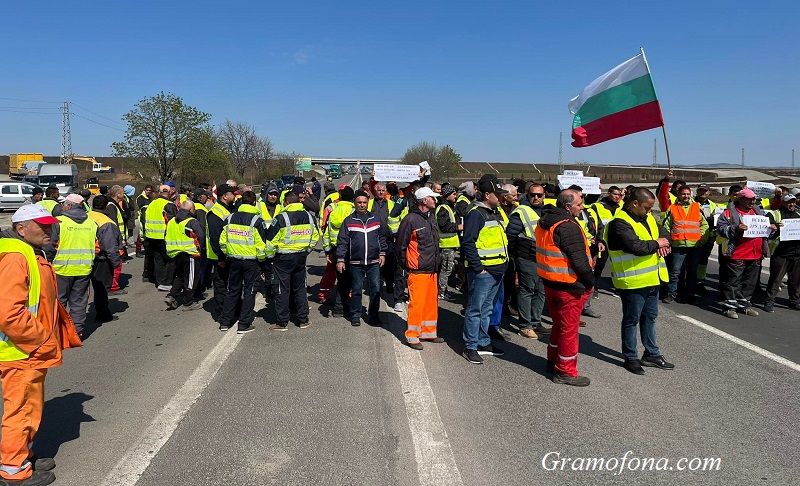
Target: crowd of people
508	249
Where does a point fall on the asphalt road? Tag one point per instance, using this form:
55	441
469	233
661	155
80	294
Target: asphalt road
164	397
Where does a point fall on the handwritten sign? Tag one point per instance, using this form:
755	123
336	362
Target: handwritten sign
762	189
757	226
719	210
396	172
790	231
574	173
590	185
425	165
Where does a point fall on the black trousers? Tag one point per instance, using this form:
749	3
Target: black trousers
778	267
244	281
599	265
186	279
220	284
510	284
148	260
289	284
388	271
400	292
741	278
163	266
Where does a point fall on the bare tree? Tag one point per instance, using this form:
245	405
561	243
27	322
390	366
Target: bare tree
242	143
264	152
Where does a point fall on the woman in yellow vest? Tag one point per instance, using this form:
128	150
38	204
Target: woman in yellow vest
637	246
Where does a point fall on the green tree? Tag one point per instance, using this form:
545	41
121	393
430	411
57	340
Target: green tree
206	159
161	130
281	163
444	161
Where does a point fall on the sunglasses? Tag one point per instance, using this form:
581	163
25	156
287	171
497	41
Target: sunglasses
535	194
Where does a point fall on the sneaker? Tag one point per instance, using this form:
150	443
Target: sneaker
172	304
355	322
304	325
164	288
731	313
668	299
528	333
337	312
769	307
596	295
496	333
591	313
447	297
436	340
192	306
540	329
247	329
472	356
417	346
279	327
224	327
570	380
750	311
398	307
490	350
38	478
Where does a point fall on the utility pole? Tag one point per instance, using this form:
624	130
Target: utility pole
560	152
66	135
792	158
655	153
742	156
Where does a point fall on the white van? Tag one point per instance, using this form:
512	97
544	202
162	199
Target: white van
14	195
64	176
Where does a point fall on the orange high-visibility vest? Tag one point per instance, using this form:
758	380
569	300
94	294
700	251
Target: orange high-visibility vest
686	226
552	262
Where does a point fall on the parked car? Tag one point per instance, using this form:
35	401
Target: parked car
13	195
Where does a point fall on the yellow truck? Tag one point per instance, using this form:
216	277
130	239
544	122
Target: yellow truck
20	165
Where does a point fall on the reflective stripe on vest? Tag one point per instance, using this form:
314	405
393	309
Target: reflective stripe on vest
492	243
76	247
298	238
604	213
686	226
8	351
335	220
553	264
629	271
329	199
447	240
154	225
221	212
240	240
264	212
177	241
394	223
530	219
120	220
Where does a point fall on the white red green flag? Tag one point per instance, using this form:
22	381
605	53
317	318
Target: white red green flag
618	103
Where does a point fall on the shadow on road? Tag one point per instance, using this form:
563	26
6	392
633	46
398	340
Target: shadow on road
61	422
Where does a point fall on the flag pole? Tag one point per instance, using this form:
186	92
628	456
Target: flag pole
663	128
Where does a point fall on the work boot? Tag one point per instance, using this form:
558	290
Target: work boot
528	333
571	380
38	478
172	304
44	464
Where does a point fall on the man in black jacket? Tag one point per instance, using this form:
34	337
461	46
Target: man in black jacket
565	266
449	226
784	257
360	253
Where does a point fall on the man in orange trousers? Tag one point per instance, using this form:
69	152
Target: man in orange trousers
417	250
34	329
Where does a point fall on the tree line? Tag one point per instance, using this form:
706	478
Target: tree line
178	141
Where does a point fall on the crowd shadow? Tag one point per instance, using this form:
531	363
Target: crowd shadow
61	422
91	325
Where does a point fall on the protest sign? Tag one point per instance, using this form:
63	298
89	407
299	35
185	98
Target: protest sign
396	172
590	185
757	226
574	173
790	231
425	165
762	189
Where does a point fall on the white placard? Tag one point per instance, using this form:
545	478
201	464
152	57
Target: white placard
762	189
574	173
396	172
590	185
790	231
757	226
425	165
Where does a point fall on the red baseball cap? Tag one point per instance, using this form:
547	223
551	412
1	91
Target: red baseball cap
35	212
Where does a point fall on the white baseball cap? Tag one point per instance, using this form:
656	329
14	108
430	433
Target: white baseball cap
35	212
425	192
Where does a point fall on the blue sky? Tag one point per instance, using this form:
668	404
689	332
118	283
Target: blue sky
370	79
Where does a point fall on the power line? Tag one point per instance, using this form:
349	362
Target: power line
29	101
28	108
31	112
95	114
98	123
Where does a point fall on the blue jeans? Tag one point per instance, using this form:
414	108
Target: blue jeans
688	257
483	288
639	307
371	274
497	307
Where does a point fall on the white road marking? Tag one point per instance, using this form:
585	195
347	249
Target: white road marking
435	462
742	343
136	460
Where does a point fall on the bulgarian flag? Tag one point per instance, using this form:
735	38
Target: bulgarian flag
618	103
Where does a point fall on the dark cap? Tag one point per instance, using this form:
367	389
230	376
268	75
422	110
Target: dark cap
37	190
347	194
313	179
298	190
299	180
272	189
490	183
360	193
223	188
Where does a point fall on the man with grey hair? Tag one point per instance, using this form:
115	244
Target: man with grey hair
74	237
565	266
